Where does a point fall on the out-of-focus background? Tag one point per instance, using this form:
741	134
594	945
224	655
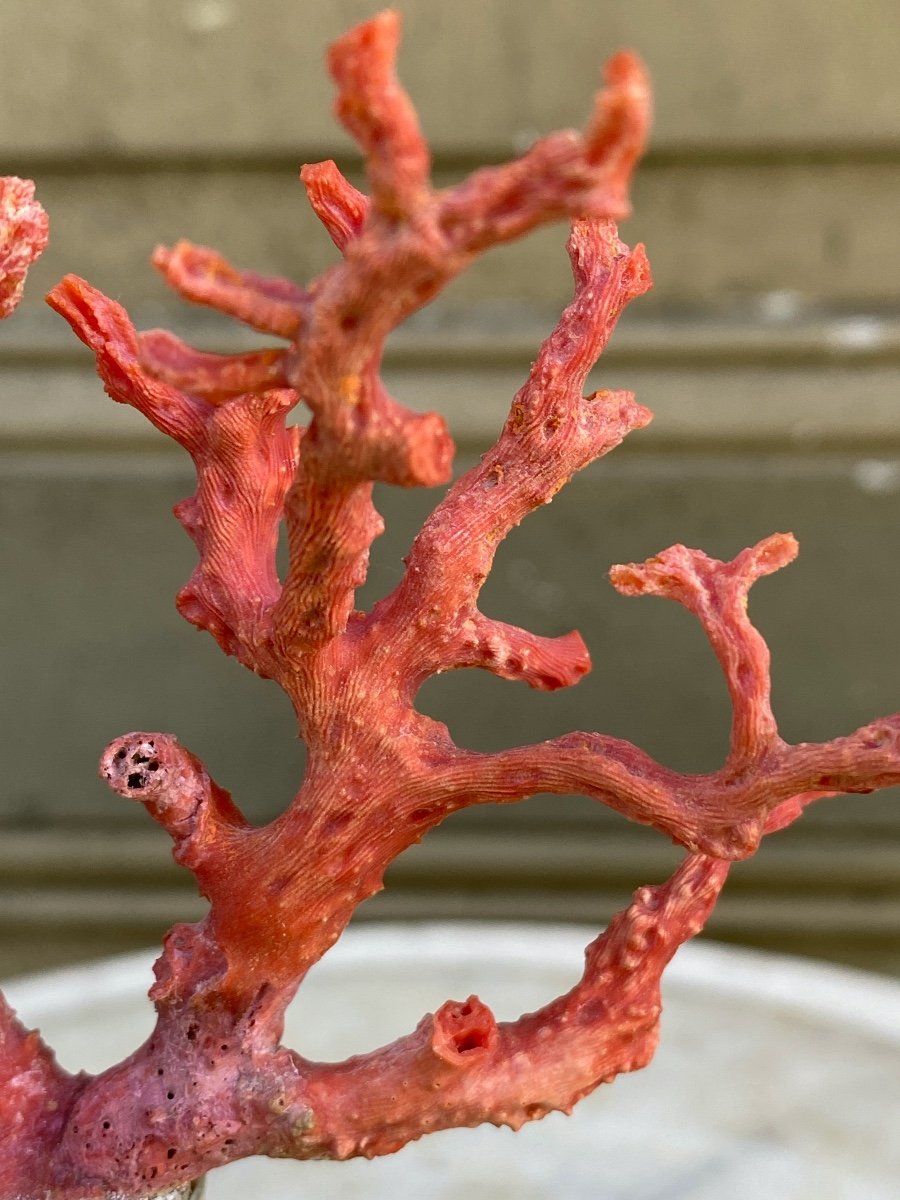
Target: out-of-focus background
769	350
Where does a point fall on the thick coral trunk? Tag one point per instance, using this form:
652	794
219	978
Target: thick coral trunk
213	1083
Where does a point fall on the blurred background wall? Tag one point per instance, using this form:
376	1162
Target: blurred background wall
769	350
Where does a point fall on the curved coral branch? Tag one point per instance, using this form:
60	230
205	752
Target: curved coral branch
765	782
553	430
202	275
213	1083
329	516
617	132
716	593
460	1067
341	207
245	458
403	250
375	109
722	814
210	1085
564	174
177	792
244	471
35	1092
215	377
36	1096
105	328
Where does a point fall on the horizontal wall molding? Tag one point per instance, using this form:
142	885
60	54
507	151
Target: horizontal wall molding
239	75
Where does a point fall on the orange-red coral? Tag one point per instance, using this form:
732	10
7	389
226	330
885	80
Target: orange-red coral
23	235
213	1083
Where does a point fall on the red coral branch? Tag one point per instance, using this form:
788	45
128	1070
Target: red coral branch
403	250
341	208
764	784
36	1096
23	235
716	593
213	1082
562	175
723	814
215	377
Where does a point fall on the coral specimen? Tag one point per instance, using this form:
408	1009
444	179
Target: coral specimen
213	1083
23	235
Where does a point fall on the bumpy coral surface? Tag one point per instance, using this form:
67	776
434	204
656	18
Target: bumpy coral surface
213	1083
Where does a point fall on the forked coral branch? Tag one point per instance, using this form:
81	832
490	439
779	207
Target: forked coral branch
213	1083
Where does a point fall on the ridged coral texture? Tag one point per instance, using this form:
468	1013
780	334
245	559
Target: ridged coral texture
214	1083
